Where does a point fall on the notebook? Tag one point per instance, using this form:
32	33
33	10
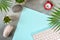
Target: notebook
30	22
47	35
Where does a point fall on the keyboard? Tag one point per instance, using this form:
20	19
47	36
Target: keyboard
47	35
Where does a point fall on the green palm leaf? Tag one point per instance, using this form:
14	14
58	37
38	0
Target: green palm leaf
4	5
55	19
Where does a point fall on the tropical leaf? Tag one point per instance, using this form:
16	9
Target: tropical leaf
5	4
55	19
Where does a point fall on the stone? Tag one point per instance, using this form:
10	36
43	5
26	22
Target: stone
17	8
8	29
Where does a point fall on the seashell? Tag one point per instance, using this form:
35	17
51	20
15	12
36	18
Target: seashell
8	29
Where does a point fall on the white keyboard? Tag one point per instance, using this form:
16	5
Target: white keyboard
47	35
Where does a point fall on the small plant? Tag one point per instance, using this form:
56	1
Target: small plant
5	4
6	19
20	1
55	19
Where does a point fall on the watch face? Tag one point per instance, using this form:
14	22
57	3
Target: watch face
48	5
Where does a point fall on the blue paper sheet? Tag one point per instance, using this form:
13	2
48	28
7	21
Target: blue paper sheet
30	22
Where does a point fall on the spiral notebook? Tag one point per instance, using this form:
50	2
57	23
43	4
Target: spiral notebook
30	23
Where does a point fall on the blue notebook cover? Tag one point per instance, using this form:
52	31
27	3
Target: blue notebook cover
30	22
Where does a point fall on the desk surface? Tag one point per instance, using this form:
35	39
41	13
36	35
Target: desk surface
31	4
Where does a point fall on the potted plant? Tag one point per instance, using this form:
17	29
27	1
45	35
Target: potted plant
21	2
7	20
54	19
